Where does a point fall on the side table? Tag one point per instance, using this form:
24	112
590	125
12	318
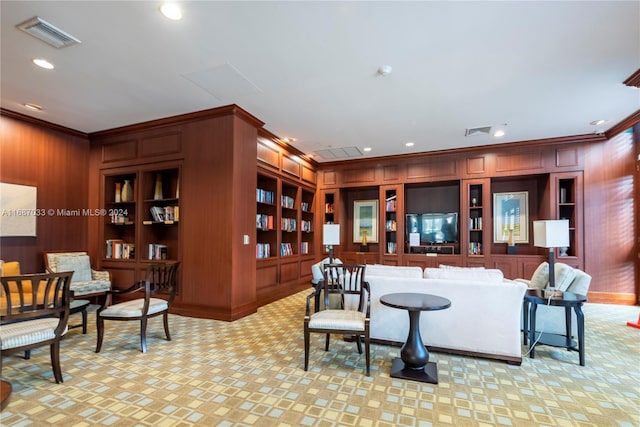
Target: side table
568	300
413	363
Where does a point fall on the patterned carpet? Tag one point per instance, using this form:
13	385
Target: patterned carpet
250	373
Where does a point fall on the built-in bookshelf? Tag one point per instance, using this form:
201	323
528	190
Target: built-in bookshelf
568	205
307	231
266	215
289	220
391	221
120	215
160	195
475	217
142	213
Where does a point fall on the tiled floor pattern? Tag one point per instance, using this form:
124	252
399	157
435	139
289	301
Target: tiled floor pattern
249	373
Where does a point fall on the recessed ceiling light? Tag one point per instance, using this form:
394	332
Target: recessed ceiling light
366	149
598	122
498	133
288	140
385	70
409	144
171	11
34	107
43	63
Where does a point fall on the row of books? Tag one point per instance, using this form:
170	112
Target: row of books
165	213
391	204
119	249
305	226
304	206
264	196
475	223
263	250
264	222
288	224
157	251
286	201
286	249
475	248
391	225
328	208
392	247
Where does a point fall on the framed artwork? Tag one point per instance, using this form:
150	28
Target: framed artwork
511	217
365	220
19	213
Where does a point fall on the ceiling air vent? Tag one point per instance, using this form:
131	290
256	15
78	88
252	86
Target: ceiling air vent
41	29
477	131
339	153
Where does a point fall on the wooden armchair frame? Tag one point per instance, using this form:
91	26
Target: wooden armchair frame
161	279
35	317
340	314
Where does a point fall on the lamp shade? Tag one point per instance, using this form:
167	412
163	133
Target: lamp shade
551	233
331	234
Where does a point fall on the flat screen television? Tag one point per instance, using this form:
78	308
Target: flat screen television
433	227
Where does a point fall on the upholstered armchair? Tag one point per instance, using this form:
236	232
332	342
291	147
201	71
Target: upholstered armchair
34	309
85	283
349	313
155	296
552	319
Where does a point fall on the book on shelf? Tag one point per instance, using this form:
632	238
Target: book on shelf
475	248
304	206
264	222
391	225
304	248
119	249
288	224
157	213
263	250
305	226
286	249
475	223
264	196
157	251
392	247
390	203
328	208
286	201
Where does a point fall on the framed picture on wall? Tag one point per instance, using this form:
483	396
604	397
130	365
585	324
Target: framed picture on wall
365	220
511	217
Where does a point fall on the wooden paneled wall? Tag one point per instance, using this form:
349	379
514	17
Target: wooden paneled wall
56	161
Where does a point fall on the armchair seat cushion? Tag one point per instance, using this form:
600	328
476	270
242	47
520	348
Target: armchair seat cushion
348	320
18	334
90	287
133	308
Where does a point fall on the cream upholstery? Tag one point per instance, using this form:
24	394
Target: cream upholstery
134	308
26	333
86	281
338	319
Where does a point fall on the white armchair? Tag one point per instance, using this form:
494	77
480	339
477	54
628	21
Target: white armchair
551	319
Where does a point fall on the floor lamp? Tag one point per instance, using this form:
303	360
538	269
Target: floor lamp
330	237
551	234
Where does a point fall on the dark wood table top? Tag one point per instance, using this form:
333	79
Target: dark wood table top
565	299
415	301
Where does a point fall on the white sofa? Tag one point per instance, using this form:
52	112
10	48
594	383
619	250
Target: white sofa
483	320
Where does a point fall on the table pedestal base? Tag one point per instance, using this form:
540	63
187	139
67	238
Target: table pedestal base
429	374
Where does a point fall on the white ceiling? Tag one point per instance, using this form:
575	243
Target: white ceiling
308	69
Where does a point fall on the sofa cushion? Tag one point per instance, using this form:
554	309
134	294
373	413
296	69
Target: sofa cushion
80	266
476	275
564	276
540	278
392	271
10	268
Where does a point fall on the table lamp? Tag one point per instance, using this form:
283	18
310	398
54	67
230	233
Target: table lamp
330	237
551	234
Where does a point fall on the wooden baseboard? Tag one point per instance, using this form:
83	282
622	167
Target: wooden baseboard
613	298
